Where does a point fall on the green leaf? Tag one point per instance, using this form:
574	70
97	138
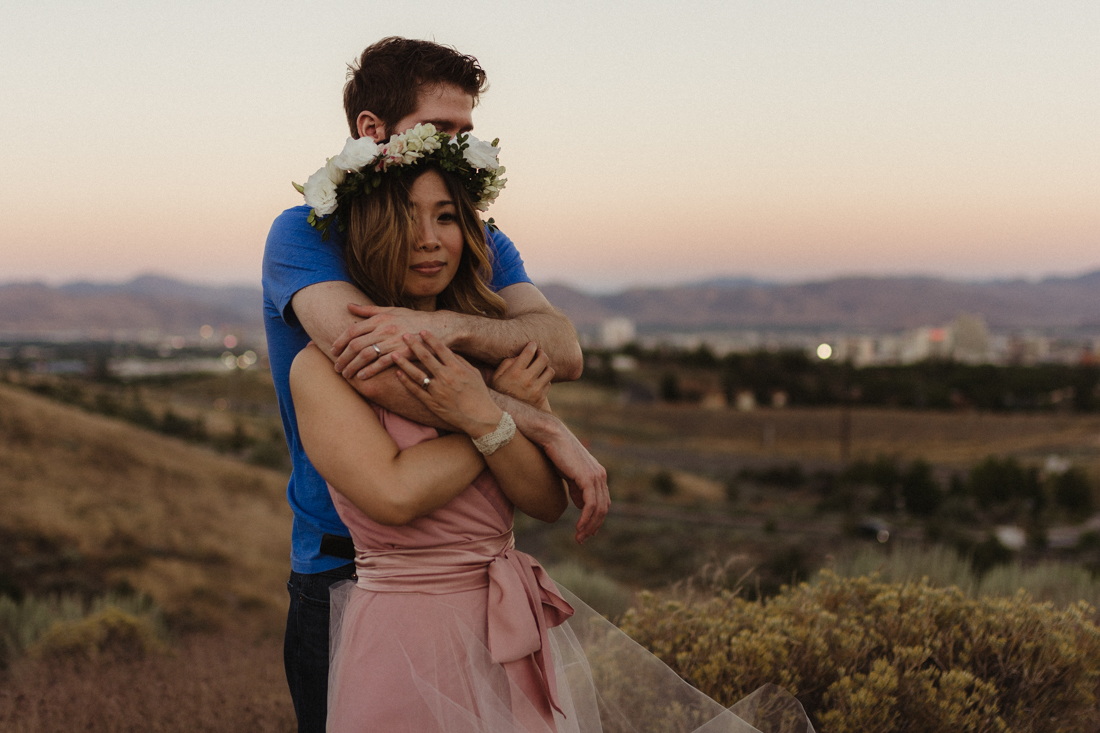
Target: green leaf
298	187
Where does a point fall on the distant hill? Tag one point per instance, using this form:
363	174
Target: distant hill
158	304
147	303
853	303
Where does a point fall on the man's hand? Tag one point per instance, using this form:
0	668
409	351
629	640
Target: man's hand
526	376
367	347
587	480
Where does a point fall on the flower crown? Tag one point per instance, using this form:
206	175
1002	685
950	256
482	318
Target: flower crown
359	169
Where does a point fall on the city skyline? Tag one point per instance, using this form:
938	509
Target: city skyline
644	144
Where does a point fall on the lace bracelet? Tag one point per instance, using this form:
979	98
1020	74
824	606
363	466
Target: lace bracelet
502	436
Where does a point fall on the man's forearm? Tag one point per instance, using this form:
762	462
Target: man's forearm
491	341
322	311
541	428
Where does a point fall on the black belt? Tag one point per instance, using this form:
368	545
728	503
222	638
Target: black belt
337	546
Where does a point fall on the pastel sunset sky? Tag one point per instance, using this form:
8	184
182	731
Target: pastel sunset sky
646	142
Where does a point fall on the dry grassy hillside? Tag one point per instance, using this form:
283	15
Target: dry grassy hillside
88	503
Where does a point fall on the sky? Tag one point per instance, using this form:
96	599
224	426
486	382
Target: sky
647	142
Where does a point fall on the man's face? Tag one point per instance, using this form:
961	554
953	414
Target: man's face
446	106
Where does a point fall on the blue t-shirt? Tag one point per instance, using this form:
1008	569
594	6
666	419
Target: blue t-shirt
294	258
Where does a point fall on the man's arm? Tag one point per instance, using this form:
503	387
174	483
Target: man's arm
322	310
586	478
530	318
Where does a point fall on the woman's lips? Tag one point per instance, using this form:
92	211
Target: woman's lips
429	268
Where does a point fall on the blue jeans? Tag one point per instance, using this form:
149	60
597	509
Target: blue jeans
305	647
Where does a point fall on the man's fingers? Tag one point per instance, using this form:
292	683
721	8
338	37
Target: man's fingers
364	311
587	514
377	366
353	331
529	353
595	500
355	357
504	366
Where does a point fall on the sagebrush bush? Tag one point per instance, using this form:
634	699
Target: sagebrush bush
872	657
110	630
66	626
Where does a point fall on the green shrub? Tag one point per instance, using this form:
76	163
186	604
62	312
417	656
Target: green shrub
1073	492
664	483
66	625
873	657
110	630
995	483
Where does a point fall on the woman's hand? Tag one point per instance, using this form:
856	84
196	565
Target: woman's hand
448	385
526	377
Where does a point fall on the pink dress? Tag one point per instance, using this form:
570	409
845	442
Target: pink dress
449	628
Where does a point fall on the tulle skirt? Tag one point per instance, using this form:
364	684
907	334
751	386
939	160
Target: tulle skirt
420	663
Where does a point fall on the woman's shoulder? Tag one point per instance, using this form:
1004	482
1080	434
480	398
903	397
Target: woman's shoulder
310	365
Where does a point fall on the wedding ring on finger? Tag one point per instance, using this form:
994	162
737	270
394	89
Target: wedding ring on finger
426	382
377	351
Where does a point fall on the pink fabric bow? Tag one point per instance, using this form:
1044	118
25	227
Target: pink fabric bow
523	604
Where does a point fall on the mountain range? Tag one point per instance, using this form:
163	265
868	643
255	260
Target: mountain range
153	303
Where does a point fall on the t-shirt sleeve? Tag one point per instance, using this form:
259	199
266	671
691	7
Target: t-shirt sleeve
507	264
295	258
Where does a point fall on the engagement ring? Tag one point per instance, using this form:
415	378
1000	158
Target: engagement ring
427	381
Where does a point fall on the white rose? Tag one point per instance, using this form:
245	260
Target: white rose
320	192
336	172
481	154
357	153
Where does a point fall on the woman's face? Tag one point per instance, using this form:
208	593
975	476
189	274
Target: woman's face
437	250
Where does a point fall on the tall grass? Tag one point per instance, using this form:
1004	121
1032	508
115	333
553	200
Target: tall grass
603	594
1060	583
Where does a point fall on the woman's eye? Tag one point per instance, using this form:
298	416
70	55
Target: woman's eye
448	217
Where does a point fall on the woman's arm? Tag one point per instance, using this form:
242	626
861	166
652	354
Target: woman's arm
347	444
457	394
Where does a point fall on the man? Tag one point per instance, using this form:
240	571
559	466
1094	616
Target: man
308	296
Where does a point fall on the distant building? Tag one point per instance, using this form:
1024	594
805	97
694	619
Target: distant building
969	339
926	342
616	333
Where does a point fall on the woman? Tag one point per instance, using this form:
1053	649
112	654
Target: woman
448	627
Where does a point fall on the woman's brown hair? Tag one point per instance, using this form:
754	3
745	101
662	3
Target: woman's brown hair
381	235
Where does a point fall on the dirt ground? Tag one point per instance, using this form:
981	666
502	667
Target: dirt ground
208	682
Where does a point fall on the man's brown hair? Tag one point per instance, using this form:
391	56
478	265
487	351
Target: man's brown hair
390	74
